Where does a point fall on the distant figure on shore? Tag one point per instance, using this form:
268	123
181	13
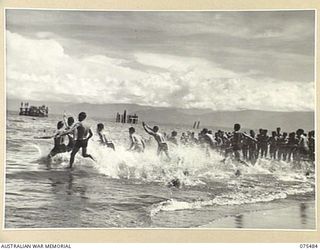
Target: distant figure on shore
137	143
104	139
162	144
59	142
82	133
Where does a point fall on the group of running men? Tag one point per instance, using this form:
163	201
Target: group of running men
281	146
296	146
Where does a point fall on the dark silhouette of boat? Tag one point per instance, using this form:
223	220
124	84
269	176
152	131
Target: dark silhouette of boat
41	111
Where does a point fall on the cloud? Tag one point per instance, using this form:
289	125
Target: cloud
40	69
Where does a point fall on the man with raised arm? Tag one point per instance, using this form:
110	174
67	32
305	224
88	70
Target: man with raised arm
162	144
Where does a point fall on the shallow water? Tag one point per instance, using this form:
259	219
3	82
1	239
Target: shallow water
126	189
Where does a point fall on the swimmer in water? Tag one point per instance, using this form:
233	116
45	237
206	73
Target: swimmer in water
59	139
104	139
162	144
137	143
82	133
173	138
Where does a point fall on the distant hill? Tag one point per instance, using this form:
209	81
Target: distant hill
255	119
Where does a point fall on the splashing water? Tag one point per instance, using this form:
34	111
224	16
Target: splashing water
121	185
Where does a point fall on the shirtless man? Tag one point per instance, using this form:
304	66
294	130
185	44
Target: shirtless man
245	147
162	144
273	145
302	148
252	147
283	147
311	145
104	139
173	138
137	143
68	123
259	141
82	134
59	139
237	139
292	146
264	143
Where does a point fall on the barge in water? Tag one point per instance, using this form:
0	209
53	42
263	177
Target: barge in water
41	111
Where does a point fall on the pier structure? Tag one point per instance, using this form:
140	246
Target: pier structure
124	118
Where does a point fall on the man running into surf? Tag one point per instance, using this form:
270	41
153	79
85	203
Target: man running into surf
59	139
68	123
82	133
104	138
137	143
162	144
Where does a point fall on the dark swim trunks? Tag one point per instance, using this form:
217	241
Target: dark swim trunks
110	145
70	144
81	144
163	147
58	149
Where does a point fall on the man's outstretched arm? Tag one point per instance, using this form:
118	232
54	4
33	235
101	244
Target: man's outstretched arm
147	128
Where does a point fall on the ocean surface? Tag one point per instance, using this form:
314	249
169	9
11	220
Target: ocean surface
130	190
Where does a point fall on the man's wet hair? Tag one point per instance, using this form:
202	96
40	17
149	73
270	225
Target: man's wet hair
237	127
60	124
70	121
132	130
174	133
300	131
252	133
285	134
100	126
274	133
82	116
292	134
155	129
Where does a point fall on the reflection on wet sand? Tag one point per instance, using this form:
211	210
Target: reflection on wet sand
238	221
303	213
69	197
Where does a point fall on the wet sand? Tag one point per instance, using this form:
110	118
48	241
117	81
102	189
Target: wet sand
298	216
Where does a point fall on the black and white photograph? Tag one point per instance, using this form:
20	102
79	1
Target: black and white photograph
160	119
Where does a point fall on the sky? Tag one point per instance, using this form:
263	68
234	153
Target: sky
223	60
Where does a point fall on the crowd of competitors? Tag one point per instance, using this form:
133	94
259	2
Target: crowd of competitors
243	147
295	146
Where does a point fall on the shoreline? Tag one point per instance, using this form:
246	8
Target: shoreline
298	216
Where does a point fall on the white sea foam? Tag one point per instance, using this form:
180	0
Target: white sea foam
235	198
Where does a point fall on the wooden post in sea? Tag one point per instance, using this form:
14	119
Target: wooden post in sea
117	117
194	125
124	116
198	125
